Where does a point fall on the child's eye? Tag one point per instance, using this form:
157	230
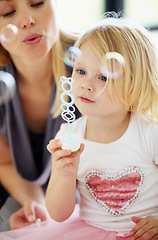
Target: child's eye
37	4
81	72
8	13
103	78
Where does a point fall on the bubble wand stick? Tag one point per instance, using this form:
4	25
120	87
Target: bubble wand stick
69	141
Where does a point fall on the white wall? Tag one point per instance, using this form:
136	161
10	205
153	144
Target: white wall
155	37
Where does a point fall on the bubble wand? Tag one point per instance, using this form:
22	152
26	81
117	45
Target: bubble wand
69	140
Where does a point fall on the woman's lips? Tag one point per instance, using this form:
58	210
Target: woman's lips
86	100
32	39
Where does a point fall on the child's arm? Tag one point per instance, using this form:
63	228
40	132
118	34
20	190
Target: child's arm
145	228
61	192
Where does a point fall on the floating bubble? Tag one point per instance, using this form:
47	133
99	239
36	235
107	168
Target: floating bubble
7	87
113	65
70	55
8	33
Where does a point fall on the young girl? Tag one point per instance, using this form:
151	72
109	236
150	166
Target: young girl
117	173
116	167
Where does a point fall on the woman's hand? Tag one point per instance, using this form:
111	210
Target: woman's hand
28	214
145	228
64	161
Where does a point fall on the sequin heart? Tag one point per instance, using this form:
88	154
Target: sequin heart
115	193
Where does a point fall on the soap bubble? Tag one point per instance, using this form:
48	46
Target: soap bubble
7	87
113	65
8	33
70	56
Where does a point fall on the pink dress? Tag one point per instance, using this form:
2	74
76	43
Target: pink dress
73	229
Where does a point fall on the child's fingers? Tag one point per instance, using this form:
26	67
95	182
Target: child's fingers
78	153
81	148
53	145
139	225
136	219
65	157
60	154
66	161
145	227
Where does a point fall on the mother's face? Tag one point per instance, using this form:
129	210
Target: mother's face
36	23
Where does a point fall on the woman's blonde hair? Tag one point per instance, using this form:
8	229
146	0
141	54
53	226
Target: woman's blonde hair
64	40
137	88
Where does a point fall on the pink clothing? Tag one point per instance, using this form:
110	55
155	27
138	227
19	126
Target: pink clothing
73	229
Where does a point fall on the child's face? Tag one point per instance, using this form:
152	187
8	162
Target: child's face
36	23
88	85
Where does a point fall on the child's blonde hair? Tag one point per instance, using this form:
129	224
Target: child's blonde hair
137	88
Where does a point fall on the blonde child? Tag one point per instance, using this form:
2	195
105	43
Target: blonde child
117	173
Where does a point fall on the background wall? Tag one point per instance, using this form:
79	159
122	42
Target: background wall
80	14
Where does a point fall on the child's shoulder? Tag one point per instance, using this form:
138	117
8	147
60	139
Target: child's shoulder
145	123
146	127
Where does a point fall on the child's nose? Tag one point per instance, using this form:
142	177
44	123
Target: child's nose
88	85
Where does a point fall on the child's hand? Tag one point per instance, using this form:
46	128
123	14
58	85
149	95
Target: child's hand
145	228
63	161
